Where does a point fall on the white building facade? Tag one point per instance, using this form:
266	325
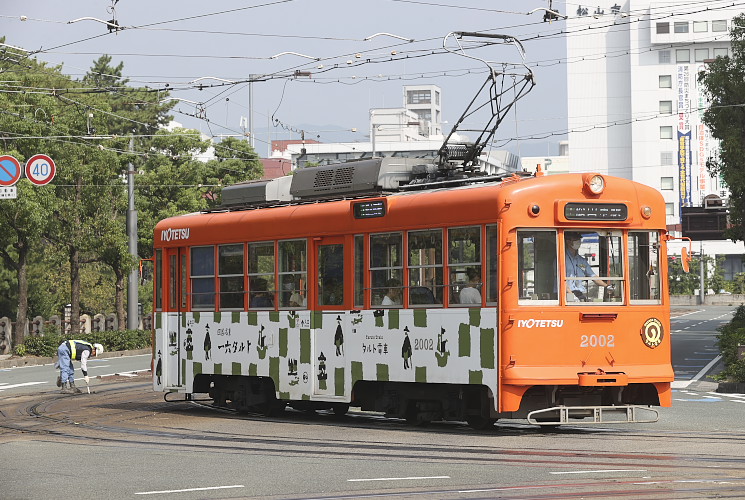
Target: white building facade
634	102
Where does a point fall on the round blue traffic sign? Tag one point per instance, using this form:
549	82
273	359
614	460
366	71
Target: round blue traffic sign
10	170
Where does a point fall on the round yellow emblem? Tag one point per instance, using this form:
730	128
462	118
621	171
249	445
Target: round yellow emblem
652	332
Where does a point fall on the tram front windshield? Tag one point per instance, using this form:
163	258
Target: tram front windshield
593	266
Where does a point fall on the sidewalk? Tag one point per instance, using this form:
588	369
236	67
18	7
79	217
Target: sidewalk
9	361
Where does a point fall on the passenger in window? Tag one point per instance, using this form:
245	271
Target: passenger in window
393	297
260	297
577	266
470	293
297	297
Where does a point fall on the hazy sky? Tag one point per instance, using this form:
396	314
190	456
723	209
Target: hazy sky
177	42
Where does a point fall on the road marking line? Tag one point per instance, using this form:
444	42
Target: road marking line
13	386
413	478
598	471
729	395
190	489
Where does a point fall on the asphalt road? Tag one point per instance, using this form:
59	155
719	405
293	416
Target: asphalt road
123	441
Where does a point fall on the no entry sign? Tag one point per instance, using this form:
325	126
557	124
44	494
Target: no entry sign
10	170
40	169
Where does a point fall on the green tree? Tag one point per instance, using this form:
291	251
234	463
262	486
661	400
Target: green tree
724	83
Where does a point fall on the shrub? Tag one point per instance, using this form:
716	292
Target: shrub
730	337
121	340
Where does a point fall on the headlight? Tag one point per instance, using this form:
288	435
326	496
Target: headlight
595	183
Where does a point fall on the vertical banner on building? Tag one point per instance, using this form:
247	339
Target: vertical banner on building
684	167
684	135
702	138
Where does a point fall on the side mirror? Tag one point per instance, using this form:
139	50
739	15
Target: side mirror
685	258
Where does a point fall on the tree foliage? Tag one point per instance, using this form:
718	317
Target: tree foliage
724	83
66	242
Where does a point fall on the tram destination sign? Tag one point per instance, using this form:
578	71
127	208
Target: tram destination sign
596	211
369	209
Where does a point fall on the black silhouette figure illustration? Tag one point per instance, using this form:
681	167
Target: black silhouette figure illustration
322	375
292	367
339	338
261	345
159	367
188	343
171	339
207	343
442	353
406	351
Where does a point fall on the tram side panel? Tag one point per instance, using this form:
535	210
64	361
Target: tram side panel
319	356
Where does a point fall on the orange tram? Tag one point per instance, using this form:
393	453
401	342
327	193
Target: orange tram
472	298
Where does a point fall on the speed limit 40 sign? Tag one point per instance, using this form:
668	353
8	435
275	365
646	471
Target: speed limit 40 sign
40	169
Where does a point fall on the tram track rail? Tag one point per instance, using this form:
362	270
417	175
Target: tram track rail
129	414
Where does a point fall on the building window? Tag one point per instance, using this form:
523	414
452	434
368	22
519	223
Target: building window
230	270
670	209
700	26
667	183
664	56
666	158
683	55
681	27
663	28
701	55
666	132
437	98
419	97
666	107
720	53
719	25
666	81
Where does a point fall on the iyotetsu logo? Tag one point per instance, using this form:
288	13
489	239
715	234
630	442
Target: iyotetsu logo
540	323
174	234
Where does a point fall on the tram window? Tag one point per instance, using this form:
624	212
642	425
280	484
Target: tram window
644	267
173	282
425	267
261	275
230	271
464	260
593	266
331	275
386	269
359	269
158	279
537	263
202	277
491	265
293	272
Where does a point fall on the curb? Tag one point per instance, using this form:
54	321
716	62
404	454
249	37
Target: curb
36	360
731	388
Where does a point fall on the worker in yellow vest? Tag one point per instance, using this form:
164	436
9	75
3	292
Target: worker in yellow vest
78	350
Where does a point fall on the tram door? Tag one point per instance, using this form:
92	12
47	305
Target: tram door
177	297
331	323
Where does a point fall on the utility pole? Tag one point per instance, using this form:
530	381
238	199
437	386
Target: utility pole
702	280
133	282
251	109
